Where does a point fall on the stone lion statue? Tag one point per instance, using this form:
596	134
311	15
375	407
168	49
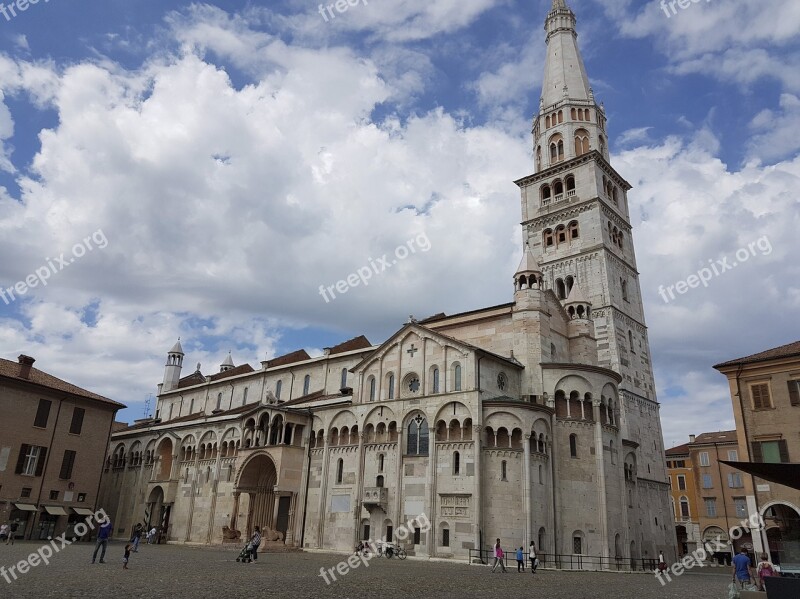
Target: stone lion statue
271	535
229	534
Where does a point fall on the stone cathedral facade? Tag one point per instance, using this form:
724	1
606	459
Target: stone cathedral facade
535	420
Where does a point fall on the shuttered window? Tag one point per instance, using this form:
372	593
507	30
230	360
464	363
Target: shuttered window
794	393
77	421
760	395
31	460
43	413
771	452
66	465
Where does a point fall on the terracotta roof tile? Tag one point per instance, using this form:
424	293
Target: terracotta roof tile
678	450
242	369
720	437
11	370
316	396
360	342
196	378
784	351
296	356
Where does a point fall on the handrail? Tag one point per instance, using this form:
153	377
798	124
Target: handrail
569	561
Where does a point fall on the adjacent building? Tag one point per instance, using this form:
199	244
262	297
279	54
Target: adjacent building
53	441
765	390
534	420
681	473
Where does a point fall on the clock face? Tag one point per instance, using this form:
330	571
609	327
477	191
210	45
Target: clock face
502	381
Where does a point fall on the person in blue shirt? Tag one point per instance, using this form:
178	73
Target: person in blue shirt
520	560
102	541
741	568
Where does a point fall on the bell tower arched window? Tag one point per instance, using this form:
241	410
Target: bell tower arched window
581	142
556	148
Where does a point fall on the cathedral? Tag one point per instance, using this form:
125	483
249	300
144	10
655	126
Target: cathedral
534	420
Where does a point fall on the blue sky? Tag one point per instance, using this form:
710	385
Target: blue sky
238	155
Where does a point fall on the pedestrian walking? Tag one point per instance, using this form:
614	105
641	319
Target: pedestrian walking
255	541
12	531
533	558
102	541
151	535
662	565
520	560
4	532
765	569
127	556
136	536
498	557
741	568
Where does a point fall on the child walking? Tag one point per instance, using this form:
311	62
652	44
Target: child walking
520	560
125	559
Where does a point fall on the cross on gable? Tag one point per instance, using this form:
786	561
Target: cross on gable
412	351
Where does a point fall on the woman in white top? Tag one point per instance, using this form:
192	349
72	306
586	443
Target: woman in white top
533	558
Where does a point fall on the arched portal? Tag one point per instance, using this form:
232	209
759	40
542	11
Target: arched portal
257	479
783	532
157	513
165	459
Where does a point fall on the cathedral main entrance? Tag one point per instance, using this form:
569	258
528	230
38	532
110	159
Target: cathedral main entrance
255	497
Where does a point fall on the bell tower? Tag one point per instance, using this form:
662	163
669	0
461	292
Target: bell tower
576	223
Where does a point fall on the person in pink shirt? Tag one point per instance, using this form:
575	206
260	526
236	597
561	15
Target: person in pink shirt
498	556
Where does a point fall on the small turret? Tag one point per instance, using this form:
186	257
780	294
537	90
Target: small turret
172	369
227	364
580	328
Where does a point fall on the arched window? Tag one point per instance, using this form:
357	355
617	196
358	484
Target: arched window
244	396
685	513
573	230
372	388
379	481
573	446
561	234
503	470
339	471
457	377
556	148
570	183
619	240
630	342
546	194
558	190
581	142
435	379
381	462
219	401
624	285
391	385
344	379
278	387
417	436
560	116
553	353
561	290
548	238
569	282
538	157
306	384
456	463
547	122
574	114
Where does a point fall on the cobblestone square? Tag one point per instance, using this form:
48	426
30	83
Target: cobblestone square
205	572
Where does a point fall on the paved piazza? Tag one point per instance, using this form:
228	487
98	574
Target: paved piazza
180	571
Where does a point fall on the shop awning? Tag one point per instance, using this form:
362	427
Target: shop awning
782	474
83	511
25	507
55	510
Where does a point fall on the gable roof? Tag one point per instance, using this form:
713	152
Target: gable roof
12	370
196	378
243	369
360	342
789	350
718	437
678	450
296	356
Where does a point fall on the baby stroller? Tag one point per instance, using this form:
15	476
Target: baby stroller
246	554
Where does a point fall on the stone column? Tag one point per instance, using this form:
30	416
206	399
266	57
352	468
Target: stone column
359	487
323	489
398	488
432	461
235	512
526	491
477	432
602	506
